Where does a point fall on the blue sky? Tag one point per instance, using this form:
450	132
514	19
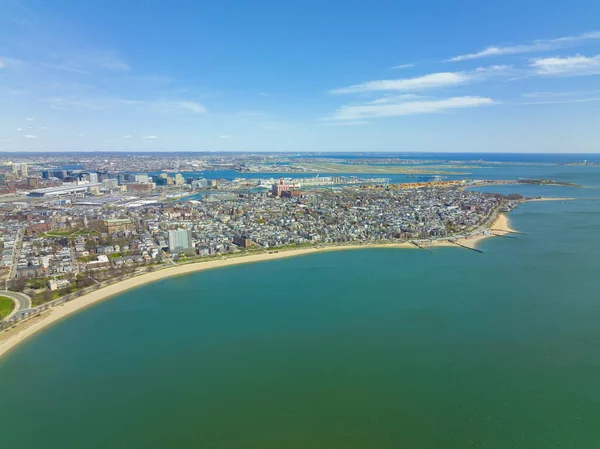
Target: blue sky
515	76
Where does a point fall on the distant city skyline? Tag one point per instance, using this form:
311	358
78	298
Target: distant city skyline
304	77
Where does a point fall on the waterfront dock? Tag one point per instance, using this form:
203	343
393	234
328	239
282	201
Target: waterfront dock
465	246
420	247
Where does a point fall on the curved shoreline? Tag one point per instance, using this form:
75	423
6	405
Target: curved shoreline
13	336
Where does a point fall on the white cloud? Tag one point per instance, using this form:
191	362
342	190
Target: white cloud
19	129
430	81
127	136
94	103
403	66
224	137
361	112
29	119
396	98
106	103
192	106
424	82
569	66
549	95
30	136
564	101
561	97
545	94
493	69
496	51
151	137
1	63
531	47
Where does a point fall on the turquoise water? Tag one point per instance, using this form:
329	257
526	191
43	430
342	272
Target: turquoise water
375	348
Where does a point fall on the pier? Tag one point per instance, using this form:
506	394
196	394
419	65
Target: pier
505	236
466	247
420	247
508	232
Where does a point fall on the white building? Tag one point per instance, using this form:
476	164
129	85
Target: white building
20	169
65	189
142	179
179	179
180	240
57	284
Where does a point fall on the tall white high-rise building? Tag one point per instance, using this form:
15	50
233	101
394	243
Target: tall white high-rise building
180	240
179	180
20	169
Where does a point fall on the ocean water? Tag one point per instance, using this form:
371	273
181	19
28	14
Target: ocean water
373	348
544	158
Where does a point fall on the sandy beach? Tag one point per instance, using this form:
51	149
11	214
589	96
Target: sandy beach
500	226
13	336
551	199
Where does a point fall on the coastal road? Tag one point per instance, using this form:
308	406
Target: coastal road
16	252
21	299
74	263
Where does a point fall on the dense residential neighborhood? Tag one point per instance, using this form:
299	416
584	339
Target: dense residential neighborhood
63	229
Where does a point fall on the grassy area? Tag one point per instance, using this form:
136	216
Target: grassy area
69	233
117	255
42	298
86	231
37	283
6	306
57	233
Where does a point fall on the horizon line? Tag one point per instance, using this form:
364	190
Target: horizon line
292	152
